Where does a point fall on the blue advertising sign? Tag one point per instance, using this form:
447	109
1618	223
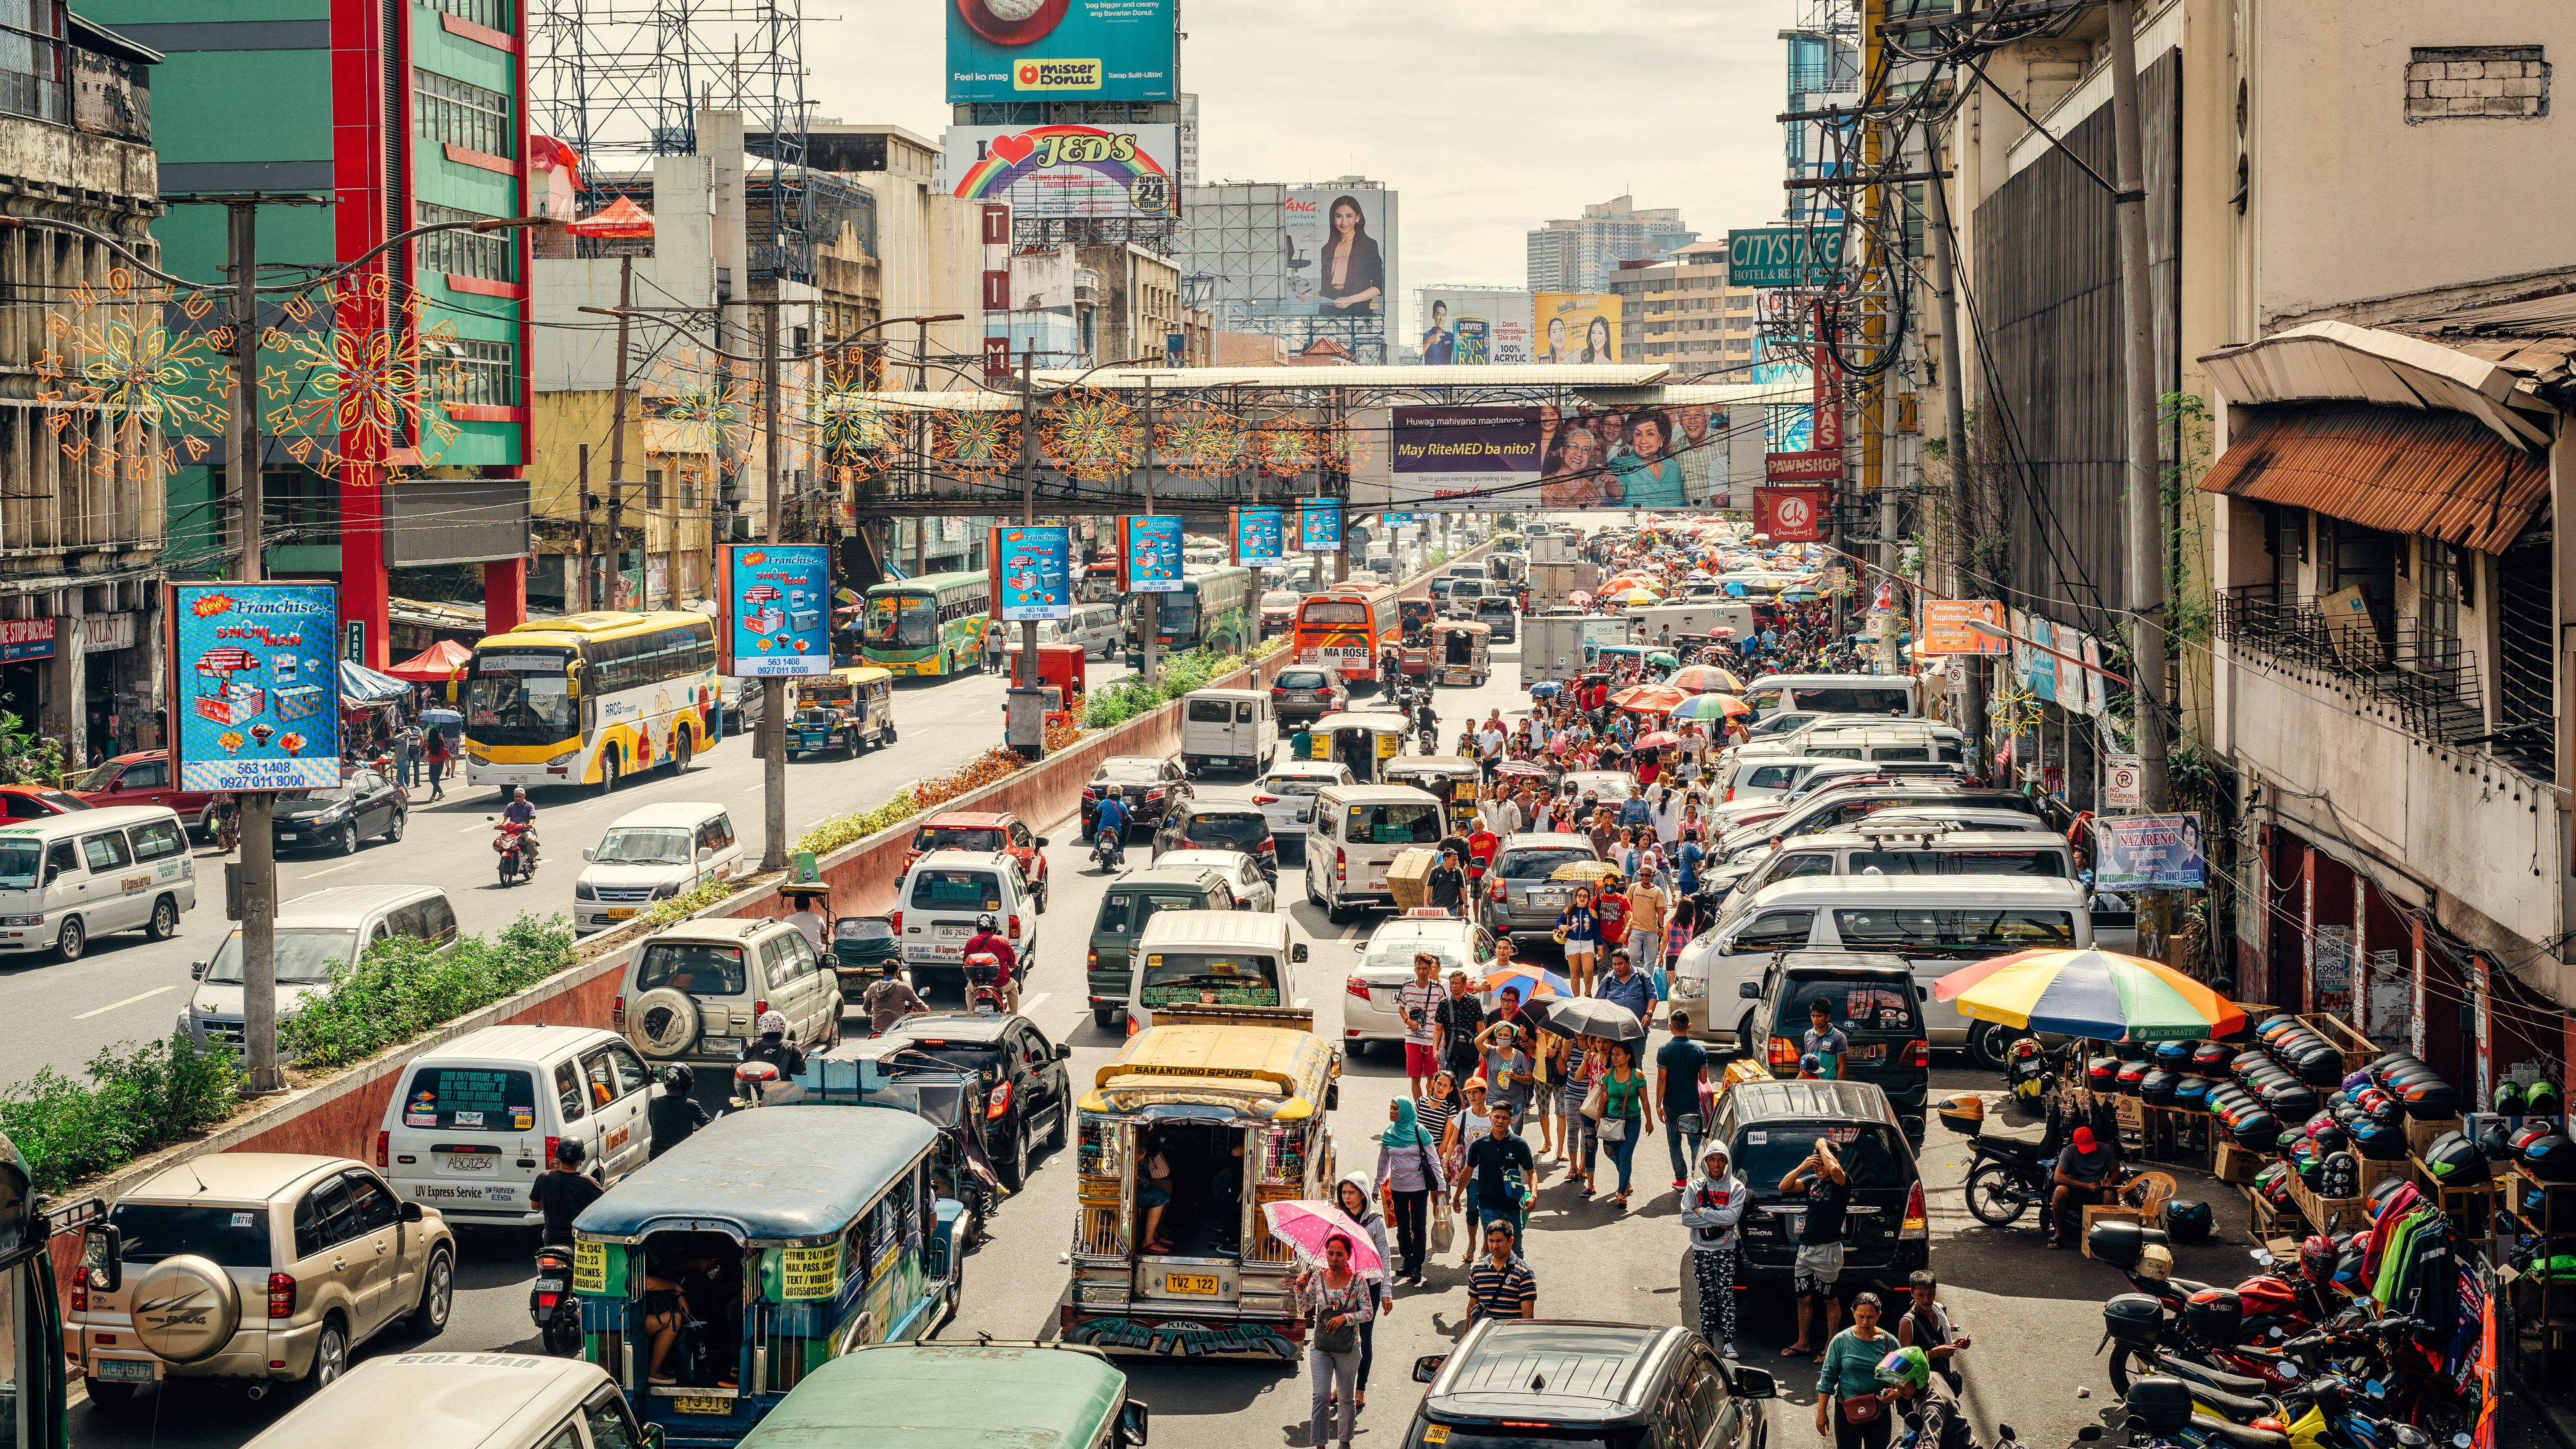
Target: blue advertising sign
1033	572
778	610
1153	548
256	666
1261	538
1071	50
1396	520
1319	525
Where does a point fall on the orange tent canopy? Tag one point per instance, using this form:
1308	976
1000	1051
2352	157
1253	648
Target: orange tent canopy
434	665
620	218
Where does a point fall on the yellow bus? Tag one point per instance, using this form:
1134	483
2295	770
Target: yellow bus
585	699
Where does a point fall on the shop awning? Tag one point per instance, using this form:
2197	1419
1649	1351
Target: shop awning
360	685
434	665
2397	469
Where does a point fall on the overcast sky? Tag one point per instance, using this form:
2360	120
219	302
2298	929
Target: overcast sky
1488	117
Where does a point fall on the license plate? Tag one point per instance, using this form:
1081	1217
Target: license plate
1876	1053
1204	1284
1554	899
286	835
619	913
125	1370
716	1039
551	1285
701	1404
468	1162
954	933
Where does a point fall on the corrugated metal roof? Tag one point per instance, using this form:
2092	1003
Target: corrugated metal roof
2397	469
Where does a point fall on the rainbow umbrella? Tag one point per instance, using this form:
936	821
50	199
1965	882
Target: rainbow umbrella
1702	678
1531	982
2090	993
1711	706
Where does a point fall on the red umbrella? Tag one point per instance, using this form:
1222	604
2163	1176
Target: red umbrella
1657	740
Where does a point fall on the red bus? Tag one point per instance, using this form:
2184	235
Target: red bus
1344	628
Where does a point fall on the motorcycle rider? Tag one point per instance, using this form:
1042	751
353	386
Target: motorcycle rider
672	1117
562	1192
520	812
1926	1403
1110	819
988	939
888	1000
1426	722
774	1047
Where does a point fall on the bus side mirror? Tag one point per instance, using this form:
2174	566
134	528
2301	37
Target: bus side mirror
652	1436
103	1257
1135	1423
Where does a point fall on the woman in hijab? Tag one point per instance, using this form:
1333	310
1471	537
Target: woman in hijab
1408	1173
1351	1195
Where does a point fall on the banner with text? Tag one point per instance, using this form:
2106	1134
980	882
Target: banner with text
777	600
1576	326
261	687
1319	526
1032	572
2149	853
1948	627
1261	538
1790	515
1069	172
1457	458
1473	326
1074	50
1150	551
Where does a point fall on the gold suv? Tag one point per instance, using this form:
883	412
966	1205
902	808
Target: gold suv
254	1265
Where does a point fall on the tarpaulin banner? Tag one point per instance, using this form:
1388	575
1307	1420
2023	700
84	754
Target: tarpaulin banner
1319	526
255	690
1149	552
1261	538
777	602
1946	627
1032	572
2149	853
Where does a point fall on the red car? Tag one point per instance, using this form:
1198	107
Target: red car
985	830
142	778
35	802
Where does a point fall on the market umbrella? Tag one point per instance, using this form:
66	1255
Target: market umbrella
1523	770
1735	589
2090	993
1578	598
1587	1016
1305	1226
434	665
1658	740
1531	982
1545	688
1663	659
1650	698
1634	595
1711	706
1702	678
1797	594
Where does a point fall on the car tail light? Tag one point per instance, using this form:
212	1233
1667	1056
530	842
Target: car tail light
1918	1053
617	1011
281	1295
1341	865
894	922
1277	692
384	1143
998	1103
1783	1052
1265	799
1088	793
1015	925
80	1291
1269	845
759	1009
551	1144
1730	796
1914	1225
1356	987
1091	960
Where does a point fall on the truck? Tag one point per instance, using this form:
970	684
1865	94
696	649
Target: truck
1553	585
1700	616
1547	548
1557	646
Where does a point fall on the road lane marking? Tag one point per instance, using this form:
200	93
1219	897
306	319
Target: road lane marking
333	870
129	1001
1028	1004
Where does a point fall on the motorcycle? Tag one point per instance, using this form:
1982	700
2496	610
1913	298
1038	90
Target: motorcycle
1109	851
551	1305
751	1083
984	984
518	858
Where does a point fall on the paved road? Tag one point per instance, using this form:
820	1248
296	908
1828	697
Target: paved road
128	988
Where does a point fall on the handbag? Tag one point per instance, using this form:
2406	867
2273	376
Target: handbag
1346	1339
1866	1409
1595	1101
1614	1129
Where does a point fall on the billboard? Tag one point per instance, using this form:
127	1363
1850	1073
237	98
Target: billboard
1261	538
1575	326
1063	172
1319	526
1790	515
1669	458
1032	572
1468	326
263	688
1947	627
1149	550
1336	242
1073	50
2149	853
777	602
1462	457
1784	256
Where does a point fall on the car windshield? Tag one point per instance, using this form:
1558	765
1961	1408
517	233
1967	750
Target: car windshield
20	862
231	1237
305	956
520	699
635	845
1427	1435
1871	1154
1209	978
1129	772
908	621
1864	1005
1399	950
1537	862
97	777
1301	679
863	928
1397	823
1926	931
1242	831
691	968
958	837
346	790
1296	784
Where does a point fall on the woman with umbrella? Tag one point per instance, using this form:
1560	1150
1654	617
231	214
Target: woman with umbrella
1336	1303
1352	1196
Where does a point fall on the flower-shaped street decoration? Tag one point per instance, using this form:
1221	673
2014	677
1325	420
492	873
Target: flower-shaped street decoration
1088	434
368	388
975	445
111	356
1201	442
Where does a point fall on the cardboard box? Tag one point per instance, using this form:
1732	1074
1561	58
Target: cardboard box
2422	1133
1408	877
2235	1164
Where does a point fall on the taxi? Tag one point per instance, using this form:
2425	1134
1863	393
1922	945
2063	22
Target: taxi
1385	968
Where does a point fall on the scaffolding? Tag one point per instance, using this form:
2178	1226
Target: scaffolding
628	77
1236	255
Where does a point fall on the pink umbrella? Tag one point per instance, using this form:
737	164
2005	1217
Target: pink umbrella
1306	1226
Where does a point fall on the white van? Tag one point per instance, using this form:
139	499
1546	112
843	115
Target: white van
1855	737
463	1401
1885	695
66	879
654	854
1236	728
1357	832
1212	958
314	934
936	907
1095	627
1937	925
1924	849
468	1130
1699	616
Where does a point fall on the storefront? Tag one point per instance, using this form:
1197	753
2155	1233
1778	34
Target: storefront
88	679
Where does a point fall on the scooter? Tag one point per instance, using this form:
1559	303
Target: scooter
551	1305
984	984
1110	849
751	1083
510	841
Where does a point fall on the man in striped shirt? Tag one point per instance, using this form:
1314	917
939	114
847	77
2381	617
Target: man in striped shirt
1417	1005
1501	1285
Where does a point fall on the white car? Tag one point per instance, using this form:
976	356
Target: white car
1287	796
1242	875
1386	965
1601	784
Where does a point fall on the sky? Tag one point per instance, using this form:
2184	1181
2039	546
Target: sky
1488	117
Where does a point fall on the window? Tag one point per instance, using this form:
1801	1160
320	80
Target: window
471	1099
491	14
1923	931
232	1237
1777	931
487	374
322	1218
602	1076
32	80
2437	600
157	840
490	255
371	1203
612	1425
568	1092
687	967
439	920
654	496
145	775
457	112
632	1075
106	852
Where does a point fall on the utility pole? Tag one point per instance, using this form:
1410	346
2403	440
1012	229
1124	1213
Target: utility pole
579	580
2146	568
773	691
1025	674
617	428
256	873
1149	607
1954	422
615	583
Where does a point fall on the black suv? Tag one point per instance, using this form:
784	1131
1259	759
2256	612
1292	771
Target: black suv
1513	1382
1877	1006
1769	1128
1150	784
1027	1088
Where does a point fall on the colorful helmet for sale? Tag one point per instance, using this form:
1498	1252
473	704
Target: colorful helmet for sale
1908	1368
2541	1099
2316	1257
2455	1159
2508	1098
2551	1159
2525	1135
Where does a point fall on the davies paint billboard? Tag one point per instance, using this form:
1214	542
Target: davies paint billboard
1076	50
1062	172
1467	326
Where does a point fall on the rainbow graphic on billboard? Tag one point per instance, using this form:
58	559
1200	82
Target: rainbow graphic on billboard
1066	171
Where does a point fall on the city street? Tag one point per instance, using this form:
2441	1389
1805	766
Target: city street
128	988
2035	1314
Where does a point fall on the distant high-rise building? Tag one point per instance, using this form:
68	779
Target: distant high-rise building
1683	312
1824	72
1186	161
1581	254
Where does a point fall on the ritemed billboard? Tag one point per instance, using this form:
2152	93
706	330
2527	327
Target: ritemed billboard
1061	172
256	693
1576	326
1075	50
777	599
1468	326
1463	458
1336	256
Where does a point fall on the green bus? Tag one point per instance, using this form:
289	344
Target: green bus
931	626
1212	609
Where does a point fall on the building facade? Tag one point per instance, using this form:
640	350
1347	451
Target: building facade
1683	314
1581	254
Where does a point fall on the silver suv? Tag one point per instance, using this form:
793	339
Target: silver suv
693	993
1522	897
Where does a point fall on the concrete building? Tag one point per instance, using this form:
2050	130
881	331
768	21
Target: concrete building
1683	314
84	517
1580	254
1139	310
431	128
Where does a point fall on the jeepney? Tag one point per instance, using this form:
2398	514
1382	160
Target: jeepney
847	709
1460	653
1452	779
1364	739
1233	1100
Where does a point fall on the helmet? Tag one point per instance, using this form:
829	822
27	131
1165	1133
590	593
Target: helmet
2155	1260
2541	1099
2508	1098
2455	1160
568	1151
1908	1368
773	1023
985	922
2316	1257
677	1079
2551	1159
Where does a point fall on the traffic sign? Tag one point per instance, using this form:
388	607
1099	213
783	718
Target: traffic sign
2120	784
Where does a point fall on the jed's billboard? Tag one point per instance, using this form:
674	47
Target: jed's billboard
1336	258
1467	326
1061	172
1074	50
1576	326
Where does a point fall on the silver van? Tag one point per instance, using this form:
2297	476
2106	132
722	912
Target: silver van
1094	627
1921	849
1885	695
65	879
315	933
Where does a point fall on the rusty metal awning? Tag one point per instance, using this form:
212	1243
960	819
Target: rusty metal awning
2397	469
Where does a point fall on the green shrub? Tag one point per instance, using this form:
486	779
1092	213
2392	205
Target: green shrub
1115	704
690	903
842	830
140	1099
401	988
